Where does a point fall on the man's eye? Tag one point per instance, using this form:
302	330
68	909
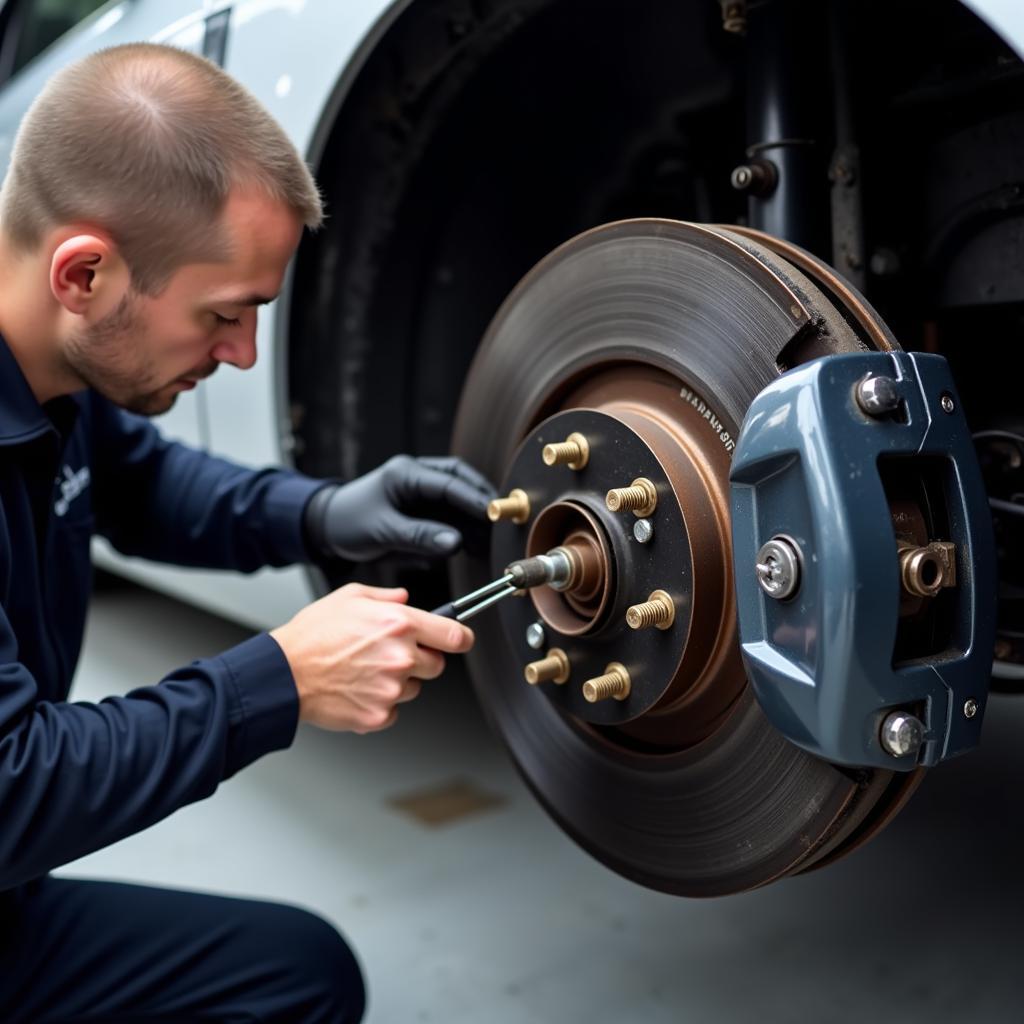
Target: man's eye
229	321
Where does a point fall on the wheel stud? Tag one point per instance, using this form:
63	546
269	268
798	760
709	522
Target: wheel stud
640	498
658	610
614	683
573	452
552	669
516	508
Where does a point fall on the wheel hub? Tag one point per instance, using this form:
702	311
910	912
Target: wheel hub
648	436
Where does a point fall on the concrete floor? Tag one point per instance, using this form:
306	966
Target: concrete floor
499	918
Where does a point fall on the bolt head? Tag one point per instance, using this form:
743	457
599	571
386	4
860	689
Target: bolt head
970	707
742	178
643	531
947	403
778	568
878	396
535	636
902	734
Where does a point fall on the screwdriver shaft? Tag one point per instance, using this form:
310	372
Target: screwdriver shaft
483	591
485	603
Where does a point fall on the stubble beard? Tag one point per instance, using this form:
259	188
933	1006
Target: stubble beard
107	358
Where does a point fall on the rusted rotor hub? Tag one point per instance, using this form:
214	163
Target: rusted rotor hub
581	606
681	678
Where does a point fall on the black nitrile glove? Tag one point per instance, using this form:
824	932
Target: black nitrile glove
368	517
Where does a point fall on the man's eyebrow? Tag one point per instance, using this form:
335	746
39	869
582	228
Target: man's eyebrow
246	300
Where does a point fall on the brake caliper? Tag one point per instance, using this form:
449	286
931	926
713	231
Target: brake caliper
864	560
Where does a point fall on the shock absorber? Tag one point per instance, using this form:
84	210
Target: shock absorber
785	175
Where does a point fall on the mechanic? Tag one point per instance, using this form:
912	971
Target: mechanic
150	206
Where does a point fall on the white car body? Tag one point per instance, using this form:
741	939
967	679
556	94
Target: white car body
293	55
298	57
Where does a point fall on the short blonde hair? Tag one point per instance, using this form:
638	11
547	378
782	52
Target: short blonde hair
145	141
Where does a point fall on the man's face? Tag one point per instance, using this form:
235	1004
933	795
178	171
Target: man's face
150	349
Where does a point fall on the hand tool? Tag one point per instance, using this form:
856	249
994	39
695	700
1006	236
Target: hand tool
555	568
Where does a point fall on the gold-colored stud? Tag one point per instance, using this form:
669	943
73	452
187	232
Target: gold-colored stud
640	498
614	683
658	610
552	669
516	507
573	452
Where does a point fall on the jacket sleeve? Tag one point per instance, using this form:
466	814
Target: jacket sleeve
75	777
171	503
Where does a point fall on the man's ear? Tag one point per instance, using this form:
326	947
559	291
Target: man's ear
88	276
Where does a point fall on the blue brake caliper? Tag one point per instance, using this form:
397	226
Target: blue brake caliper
864	560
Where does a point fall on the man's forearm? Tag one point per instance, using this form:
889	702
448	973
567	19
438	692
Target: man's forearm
77	777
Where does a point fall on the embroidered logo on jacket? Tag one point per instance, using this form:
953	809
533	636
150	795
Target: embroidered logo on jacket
72	483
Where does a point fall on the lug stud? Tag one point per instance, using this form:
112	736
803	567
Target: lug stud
552	669
640	498
516	508
658	610
614	683
573	452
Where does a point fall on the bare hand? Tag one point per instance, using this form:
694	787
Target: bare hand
359	652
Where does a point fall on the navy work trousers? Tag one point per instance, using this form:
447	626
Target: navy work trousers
99	951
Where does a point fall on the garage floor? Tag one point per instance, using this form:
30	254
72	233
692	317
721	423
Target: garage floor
487	913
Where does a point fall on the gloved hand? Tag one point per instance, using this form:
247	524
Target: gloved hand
367	518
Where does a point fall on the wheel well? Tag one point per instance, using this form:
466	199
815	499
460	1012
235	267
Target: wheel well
477	137
480	134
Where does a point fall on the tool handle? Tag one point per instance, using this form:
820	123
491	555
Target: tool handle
446	611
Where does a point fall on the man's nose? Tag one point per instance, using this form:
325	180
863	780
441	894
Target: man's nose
237	346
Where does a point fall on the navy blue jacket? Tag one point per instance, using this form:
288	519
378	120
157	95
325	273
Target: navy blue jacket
75	777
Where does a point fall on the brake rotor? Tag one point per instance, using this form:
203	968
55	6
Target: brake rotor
650	338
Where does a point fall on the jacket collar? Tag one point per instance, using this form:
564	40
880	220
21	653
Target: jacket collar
22	418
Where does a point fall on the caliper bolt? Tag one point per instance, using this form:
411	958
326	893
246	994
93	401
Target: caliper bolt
902	734
970	707
640	498
643	531
878	396
573	452
535	636
516	507
552	669
947	403
658	610
614	683
778	568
